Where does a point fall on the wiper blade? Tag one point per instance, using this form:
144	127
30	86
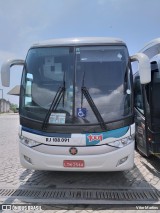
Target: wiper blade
59	94
94	108
92	105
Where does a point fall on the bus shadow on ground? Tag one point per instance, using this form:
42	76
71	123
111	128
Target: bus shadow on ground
153	165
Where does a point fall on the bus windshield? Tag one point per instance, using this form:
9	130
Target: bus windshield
102	70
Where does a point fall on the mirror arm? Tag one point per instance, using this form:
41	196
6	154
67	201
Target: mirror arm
144	67
5	70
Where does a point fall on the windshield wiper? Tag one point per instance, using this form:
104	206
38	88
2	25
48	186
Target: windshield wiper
57	98
94	108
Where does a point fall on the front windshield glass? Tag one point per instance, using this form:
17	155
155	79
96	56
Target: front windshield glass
45	72
102	70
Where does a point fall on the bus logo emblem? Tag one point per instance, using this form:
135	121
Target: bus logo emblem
95	137
73	151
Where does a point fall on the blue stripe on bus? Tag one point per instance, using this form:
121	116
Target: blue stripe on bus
48	134
116	133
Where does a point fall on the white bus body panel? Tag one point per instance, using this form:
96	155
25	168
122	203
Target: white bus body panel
96	162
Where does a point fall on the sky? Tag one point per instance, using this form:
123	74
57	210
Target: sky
24	22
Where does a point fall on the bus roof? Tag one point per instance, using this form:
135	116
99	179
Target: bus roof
80	41
152	48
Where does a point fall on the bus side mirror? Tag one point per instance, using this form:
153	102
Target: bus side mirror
144	67
5	70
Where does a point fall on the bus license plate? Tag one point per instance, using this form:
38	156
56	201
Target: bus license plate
73	163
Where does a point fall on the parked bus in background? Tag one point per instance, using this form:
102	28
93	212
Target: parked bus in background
147	104
76	104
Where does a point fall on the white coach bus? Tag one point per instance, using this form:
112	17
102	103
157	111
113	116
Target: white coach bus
76	104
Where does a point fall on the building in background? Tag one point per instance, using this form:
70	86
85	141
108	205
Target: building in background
4	106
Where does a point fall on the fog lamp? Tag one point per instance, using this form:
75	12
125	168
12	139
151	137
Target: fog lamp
121	161
27	159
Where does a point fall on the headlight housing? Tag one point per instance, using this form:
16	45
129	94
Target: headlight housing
122	142
28	142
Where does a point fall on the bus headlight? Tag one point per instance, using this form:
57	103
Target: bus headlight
28	142
122	142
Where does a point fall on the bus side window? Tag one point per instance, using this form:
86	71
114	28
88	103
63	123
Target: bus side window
138	95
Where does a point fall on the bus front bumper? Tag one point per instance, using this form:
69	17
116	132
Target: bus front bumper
118	160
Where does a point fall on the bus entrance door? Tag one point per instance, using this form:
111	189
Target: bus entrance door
140	135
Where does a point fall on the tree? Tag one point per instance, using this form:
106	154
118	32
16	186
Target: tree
14	107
